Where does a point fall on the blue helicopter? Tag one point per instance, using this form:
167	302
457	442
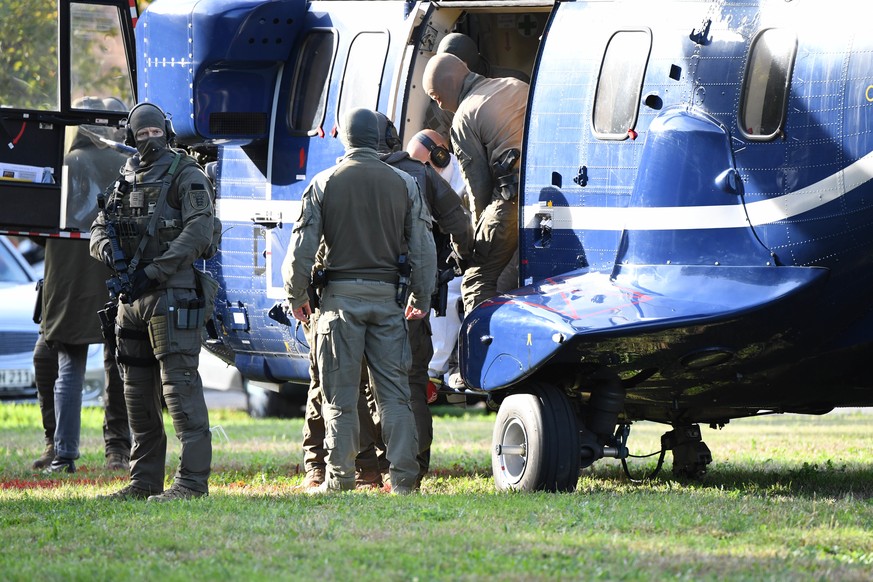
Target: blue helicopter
695	199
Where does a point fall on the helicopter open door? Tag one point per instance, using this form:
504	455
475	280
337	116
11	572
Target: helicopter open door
70	76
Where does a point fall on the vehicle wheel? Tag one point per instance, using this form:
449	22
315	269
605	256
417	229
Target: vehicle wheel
536	442
261	402
93	394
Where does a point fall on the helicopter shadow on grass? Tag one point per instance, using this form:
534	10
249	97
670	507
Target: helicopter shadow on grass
807	481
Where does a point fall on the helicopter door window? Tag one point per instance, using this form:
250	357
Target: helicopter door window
765	88
309	96
28	70
362	78
98	61
620	83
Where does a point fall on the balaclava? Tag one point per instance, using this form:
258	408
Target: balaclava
148	115
463	47
360	129
444	75
389	141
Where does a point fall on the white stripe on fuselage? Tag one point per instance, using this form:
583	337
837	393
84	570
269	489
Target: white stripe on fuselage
707	217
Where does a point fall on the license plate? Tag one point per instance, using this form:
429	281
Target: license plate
16	378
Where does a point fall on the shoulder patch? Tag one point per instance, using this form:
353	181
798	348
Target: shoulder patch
199	197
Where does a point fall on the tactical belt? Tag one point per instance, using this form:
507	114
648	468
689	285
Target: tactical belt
347	276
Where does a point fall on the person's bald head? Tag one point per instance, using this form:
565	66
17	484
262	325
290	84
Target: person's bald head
443	78
419	149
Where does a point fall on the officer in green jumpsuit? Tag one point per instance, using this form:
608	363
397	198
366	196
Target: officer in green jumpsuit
160	316
486	136
374	223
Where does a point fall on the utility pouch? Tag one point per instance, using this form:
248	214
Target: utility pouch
107	325
506	174
207	290
37	307
190	314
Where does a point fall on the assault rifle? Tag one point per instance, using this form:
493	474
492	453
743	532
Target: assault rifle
119	285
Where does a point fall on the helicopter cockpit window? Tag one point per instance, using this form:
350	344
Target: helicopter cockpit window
312	79
616	103
765	88
362	78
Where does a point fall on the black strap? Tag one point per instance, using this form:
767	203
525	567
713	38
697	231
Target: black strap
136	362
131	334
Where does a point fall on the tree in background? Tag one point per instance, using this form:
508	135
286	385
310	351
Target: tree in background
28	54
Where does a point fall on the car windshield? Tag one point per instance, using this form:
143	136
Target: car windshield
11	271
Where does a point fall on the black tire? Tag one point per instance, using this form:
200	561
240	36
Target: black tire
262	402
542	421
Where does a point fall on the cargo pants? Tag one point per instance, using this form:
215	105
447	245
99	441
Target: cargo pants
314	454
495	242
370	462
159	359
361	318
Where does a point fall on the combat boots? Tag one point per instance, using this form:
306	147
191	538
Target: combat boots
368	480
46	458
177	492
313	478
117	462
127	493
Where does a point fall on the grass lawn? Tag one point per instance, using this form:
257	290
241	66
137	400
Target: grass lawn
786	498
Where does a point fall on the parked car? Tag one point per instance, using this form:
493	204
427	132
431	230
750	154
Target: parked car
18	333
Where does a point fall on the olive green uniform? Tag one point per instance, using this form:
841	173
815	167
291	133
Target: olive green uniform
159	353
452	219
368	214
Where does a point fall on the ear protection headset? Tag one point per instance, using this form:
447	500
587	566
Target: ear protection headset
439	156
392	140
130	139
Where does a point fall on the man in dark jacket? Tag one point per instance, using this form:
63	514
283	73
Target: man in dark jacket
74	290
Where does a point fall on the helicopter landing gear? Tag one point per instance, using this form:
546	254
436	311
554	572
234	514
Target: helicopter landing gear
690	453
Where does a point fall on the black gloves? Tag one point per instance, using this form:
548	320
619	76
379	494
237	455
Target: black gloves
140	284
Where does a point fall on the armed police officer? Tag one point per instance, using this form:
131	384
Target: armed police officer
455	232
161	214
376	232
456	228
486	136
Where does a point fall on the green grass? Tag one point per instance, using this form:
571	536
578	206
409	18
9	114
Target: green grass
786	498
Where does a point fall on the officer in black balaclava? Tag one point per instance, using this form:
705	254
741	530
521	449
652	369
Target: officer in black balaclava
160	317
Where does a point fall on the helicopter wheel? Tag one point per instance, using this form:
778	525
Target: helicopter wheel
536	442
